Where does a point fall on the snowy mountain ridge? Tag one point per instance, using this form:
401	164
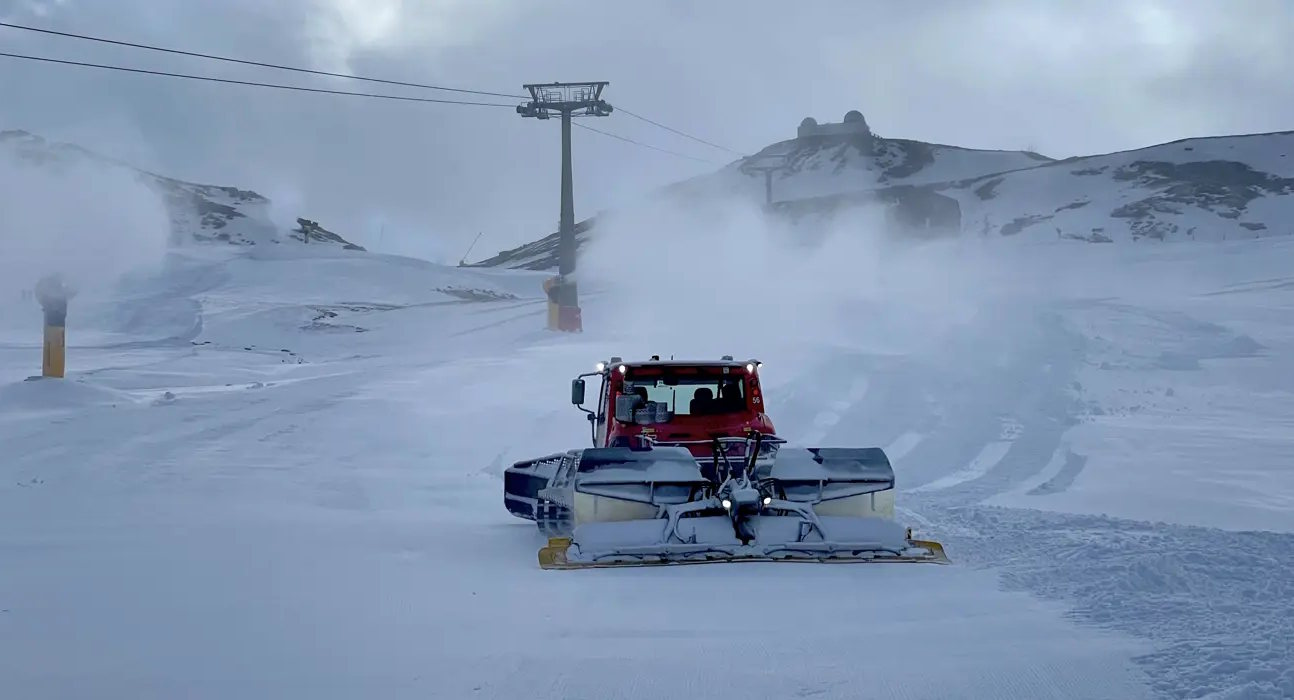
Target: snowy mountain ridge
198	213
1207	188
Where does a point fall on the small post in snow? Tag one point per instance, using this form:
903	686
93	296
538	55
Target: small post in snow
53	295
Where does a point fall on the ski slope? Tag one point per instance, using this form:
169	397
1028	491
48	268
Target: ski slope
278	474
1215	188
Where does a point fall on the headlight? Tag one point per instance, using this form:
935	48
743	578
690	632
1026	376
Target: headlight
768	500
727	504
750	366
601	366
622	369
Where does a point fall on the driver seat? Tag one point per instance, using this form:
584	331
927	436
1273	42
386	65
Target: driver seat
701	401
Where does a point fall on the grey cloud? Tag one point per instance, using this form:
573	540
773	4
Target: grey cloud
1063	78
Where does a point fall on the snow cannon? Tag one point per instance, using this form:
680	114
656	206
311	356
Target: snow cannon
686	468
53	296
563	306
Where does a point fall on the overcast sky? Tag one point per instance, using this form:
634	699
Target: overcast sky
1060	77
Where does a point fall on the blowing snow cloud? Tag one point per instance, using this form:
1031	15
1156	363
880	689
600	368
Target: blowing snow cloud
87	222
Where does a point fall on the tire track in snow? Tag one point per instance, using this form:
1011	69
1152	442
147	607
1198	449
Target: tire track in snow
809	405
988	457
903	444
1070	467
1219	605
1049	479
1025	394
825	421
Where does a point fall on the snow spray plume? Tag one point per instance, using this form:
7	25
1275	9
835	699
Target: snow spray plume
720	277
85	222
286	203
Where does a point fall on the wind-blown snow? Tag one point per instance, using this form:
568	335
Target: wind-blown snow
280	475
88	224
115	205
1216	188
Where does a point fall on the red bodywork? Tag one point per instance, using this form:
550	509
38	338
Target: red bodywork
736	419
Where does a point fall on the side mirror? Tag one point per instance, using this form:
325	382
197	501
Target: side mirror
577	392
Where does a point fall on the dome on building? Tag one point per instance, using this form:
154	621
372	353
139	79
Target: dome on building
853	126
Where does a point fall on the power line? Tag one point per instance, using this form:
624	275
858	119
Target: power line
296	88
319	90
150	47
251	83
680	133
297	69
644	145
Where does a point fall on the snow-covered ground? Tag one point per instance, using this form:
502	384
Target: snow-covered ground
1216	188
280	476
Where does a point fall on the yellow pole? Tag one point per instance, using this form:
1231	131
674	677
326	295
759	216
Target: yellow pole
552	303
55	359
53	296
